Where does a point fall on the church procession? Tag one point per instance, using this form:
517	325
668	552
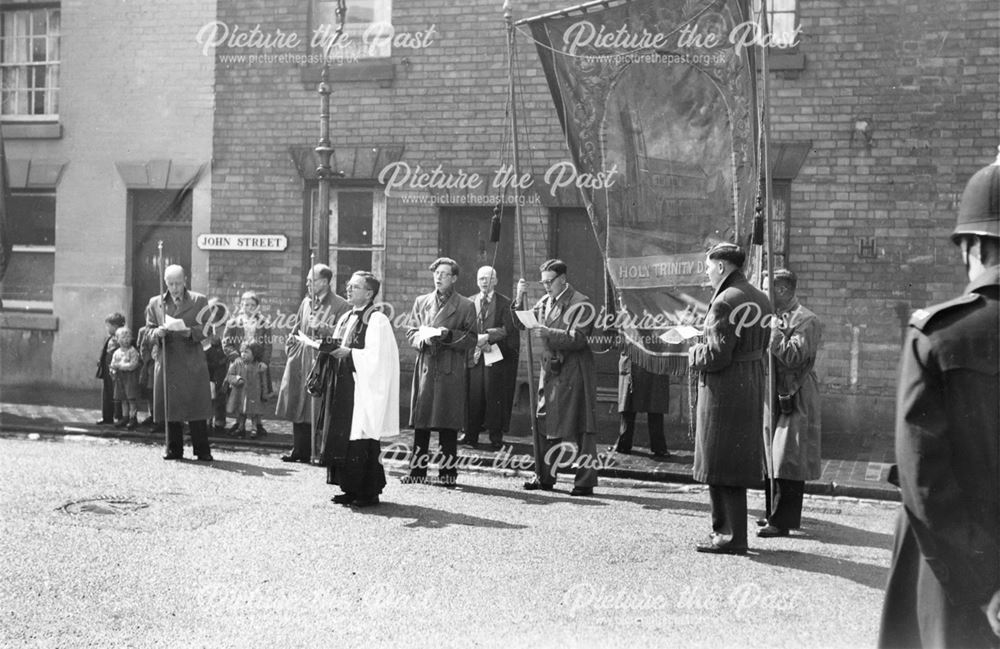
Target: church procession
770	227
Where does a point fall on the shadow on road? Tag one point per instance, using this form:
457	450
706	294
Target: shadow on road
865	574
532	497
824	531
435	518
241	468
657	504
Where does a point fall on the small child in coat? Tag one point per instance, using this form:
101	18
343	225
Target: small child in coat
110	411
246	390
144	341
125	368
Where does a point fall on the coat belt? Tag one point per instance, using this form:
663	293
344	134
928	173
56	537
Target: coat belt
746	357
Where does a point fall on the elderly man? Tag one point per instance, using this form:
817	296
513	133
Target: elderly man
796	333
730	416
567	387
181	389
361	396
491	386
443	331
944	582
316	318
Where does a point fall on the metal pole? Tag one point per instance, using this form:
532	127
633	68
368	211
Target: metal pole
518	217
324	150
768	218
163	342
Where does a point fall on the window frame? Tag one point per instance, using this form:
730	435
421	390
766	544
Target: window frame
51	94
354	30
378	229
39	306
772	15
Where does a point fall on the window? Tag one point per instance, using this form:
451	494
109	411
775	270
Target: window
32	229
368	30
357	233
29	60
782	22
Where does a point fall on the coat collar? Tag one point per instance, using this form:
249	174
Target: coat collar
989	277
732	278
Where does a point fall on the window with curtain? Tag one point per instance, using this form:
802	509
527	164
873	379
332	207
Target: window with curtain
29	62
782	21
368	28
31	225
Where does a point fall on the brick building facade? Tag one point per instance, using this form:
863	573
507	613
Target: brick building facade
879	114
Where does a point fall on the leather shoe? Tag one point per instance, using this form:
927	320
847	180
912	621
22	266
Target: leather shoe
534	485
104	422
206	458
365	502
665	455
173	456
467	441
761	522
770	532
292	458
719	548
582	491
343	499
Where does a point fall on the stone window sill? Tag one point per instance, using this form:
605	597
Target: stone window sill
31	130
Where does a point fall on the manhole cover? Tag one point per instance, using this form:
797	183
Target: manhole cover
105	506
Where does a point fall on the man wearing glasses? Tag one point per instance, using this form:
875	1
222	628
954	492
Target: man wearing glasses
567	391
442	330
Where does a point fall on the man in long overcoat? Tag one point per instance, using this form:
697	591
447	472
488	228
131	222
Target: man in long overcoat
317	315
944	582
566	429
180	365
442	330
796	334
730	410
491	386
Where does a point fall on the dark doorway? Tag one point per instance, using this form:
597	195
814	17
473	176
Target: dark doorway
156	215
465	237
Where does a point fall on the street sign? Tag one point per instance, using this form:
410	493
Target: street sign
269	242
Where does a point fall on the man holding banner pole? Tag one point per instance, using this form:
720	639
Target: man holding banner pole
180	385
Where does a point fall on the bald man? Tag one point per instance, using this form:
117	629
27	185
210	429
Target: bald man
181	389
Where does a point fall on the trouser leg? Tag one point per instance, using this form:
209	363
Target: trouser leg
199	437
729	514
107	399
626	432
448	438
657	440
544	468
302	440
787	512
586	472
419	459
175	438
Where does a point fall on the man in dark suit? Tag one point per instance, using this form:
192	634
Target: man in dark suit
443	331
567	387
491	386
944	583
730	411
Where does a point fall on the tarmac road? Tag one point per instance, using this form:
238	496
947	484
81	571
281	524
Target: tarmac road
106	545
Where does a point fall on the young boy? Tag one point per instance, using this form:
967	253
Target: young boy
125	367
109	412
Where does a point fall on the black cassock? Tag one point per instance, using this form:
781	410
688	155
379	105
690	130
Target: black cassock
353	465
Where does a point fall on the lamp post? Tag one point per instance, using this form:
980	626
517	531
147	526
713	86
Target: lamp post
324	149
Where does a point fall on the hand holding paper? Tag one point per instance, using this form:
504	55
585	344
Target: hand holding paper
680	334
306	340
528	319
425	334
173	324
492	354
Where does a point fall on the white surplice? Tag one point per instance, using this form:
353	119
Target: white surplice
376	381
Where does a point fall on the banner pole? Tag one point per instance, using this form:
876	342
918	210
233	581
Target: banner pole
769	236
518	217
163	343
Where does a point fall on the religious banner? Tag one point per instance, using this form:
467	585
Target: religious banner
657	98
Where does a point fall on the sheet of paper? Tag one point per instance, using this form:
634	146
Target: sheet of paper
425	333
492	354
173	324
306	340
679	334
528	319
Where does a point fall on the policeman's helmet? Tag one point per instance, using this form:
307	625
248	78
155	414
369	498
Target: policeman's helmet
979	209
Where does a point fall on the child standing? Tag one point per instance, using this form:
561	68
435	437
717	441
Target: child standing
125	367
246	383
145	344
110	411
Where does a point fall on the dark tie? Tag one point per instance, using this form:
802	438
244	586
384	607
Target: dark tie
484	307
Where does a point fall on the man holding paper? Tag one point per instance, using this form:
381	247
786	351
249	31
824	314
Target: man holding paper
492	363
443	331
567	389
317	315
181	389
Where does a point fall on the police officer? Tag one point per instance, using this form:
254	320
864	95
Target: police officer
944	583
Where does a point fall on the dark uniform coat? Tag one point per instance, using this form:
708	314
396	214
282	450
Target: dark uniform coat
795	447
438	395
567	387
730	411
946	559
496	381
293	401
640	390
189	396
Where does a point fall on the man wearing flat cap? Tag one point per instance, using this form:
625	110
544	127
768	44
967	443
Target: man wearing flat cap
730	411
442	330
944	582
566	428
